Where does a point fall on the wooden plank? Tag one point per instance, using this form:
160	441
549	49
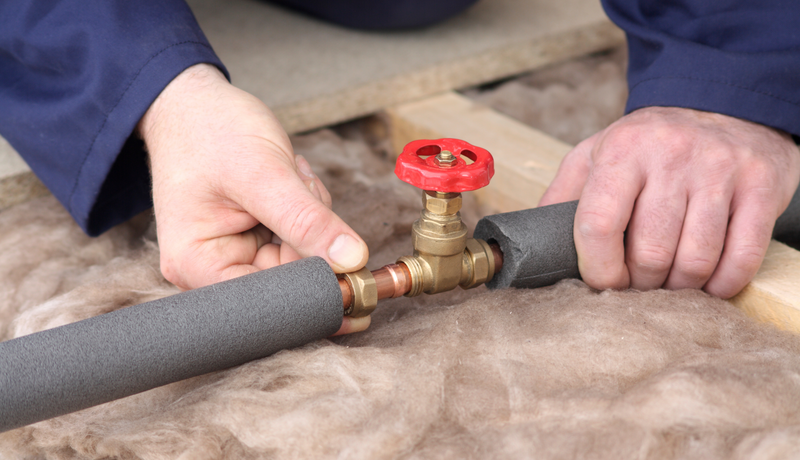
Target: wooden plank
526	162
773	296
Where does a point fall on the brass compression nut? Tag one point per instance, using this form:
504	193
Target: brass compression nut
479	264
365	293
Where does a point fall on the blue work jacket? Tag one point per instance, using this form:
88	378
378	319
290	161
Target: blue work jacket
77	75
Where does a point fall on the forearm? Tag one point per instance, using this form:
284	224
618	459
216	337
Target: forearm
735	57
76	78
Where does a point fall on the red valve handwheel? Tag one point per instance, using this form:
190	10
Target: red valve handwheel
426	173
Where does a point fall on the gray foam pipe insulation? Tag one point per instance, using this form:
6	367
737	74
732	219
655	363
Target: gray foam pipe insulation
134	349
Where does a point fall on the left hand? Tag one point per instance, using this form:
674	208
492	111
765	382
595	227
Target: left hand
698	194
229	194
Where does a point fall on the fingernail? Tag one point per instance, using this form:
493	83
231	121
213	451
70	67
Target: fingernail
346	252
304	167
312	186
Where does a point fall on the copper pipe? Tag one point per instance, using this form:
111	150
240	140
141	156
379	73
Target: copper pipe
347	293
393	280
498	257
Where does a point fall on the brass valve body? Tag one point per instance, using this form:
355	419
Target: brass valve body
443	256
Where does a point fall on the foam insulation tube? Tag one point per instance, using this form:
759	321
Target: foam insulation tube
537	245
134	349
539	250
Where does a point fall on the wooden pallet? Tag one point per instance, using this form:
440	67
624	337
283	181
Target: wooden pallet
312	74
526	161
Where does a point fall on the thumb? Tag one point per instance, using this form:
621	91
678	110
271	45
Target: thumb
305	223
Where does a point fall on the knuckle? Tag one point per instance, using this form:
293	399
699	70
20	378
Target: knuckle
674	138
718	164
697	268
658	128
596	225
170	271
748	258
652	259
186	266
760	170
621	135
304	222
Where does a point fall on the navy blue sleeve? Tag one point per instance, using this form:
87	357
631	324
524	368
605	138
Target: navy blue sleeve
735	57
75	78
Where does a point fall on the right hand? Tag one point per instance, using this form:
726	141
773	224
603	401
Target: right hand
676	198
230	196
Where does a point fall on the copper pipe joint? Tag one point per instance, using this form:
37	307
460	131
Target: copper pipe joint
394	280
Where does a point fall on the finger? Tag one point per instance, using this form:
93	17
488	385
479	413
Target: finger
350	325
275	253
326	196
314	184
238	248
571	175
231	272
603	214
213	261
746	244
651	240
263	235
303	222
701	239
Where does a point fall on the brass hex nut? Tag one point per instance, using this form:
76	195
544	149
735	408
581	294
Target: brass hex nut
365	293
441	227
479	259
445	206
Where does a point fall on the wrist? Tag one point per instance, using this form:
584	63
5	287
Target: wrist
175	97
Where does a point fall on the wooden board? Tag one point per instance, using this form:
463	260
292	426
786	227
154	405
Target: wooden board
526	161
313	74
774	294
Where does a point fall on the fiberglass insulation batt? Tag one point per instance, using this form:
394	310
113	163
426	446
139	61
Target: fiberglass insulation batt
552	373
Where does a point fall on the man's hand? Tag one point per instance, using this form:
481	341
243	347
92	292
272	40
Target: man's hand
698	194
230	196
